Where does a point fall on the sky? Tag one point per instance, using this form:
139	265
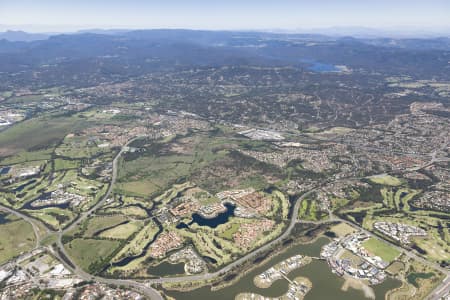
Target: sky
64	15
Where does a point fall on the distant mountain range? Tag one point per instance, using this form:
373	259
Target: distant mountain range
89	57
22	36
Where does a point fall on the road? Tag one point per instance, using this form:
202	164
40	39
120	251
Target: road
85	214
243	259
145	286
145	289
33	222
441	290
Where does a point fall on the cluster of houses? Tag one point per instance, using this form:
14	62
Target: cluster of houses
193	263
280	270
367	267
58	197
399	232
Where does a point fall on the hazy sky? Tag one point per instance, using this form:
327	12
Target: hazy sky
225	14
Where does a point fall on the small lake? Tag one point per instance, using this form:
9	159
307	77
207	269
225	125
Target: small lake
221	218
326	285
166	269
21	187
44	196
320	67
3	218
4	170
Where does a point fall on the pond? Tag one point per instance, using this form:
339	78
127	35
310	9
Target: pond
320	67
29	205
166	269
326	285
3	218
221	218
21	187
5	170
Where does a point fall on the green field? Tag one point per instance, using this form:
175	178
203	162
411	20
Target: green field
63	164
385	180
89	252
309	210
96	224
228	233
141	239
37	134
138	188
381	249
122	231
16	237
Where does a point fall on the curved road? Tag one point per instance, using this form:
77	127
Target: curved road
145	287
36	228
146	290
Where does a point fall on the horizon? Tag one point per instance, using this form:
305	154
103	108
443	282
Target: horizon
338	31
399	17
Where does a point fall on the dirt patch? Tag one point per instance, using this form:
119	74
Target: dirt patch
358	285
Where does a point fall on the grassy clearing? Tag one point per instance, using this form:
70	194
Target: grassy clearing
381	249
62	164
140	188
141	239
228	233
123	231
386	180
310	211
436	248
16	236
395	268
27	156
37	134
55	217
342	229
100	223
134	211
86	252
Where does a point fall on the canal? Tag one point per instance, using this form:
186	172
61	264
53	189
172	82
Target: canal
326	285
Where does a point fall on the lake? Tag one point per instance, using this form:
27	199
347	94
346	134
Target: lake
320	67
166	269
326	285
4	170
221	218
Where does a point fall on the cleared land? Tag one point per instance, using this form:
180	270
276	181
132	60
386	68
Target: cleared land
16	236
88	252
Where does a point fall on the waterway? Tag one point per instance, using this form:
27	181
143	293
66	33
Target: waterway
326	285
